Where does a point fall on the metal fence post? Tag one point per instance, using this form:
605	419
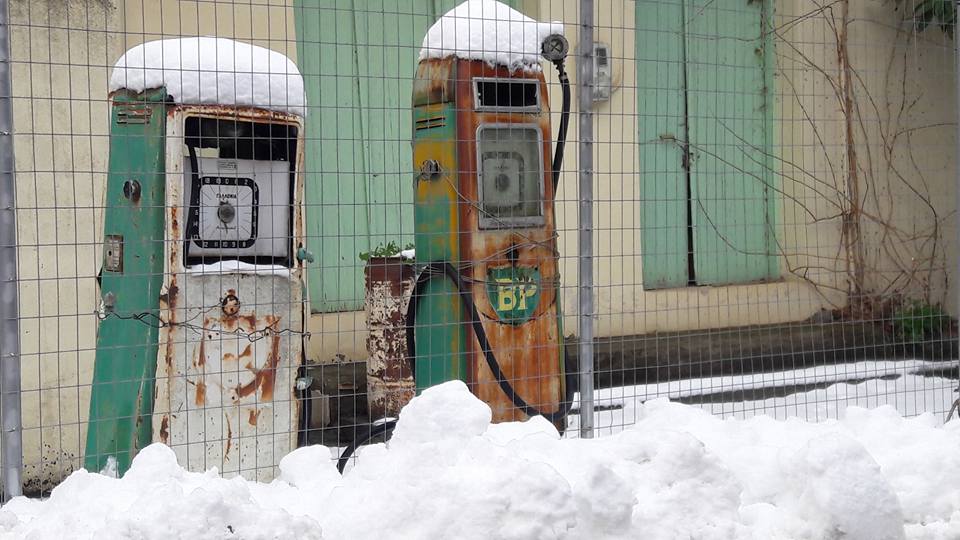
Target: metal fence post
585	268
956	188
12	444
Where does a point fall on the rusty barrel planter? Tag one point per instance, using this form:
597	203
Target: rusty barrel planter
390	384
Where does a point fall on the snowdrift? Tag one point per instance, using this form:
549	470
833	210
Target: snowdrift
448	473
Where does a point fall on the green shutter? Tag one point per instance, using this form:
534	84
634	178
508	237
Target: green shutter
389	35
663	180
336	191
714	56
730	171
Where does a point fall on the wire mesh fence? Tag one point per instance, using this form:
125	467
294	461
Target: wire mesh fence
247	226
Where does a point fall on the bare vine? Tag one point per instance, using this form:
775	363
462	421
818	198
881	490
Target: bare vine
884	259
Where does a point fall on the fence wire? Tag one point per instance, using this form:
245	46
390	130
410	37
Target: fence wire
278	224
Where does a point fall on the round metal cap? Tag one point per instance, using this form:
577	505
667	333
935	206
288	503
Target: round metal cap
226	212
554	47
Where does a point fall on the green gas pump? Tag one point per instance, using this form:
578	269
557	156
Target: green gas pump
202	321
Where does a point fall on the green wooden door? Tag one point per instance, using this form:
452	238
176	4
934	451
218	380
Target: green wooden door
358	58
707	214
336	170
661	76
730	172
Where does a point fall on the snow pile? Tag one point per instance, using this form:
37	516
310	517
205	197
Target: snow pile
448	473
208	70
155	499
490	31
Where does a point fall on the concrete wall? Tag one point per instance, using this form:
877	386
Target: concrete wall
62	54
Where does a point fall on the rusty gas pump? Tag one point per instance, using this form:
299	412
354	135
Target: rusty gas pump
202	316
485	308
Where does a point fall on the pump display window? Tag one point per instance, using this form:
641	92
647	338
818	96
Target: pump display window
238	196
511	176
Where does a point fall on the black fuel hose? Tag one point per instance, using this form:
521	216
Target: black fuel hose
385	429
564	123
446	269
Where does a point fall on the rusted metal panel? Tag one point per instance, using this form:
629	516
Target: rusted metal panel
231	374
390	382
435	81
231	343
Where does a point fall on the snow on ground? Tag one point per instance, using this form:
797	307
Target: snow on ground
207	70
679	472
490	31
876	383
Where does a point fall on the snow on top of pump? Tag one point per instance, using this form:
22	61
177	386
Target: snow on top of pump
490	31
207	70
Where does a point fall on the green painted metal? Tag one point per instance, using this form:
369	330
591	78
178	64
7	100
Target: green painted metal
440	332
335	168
662	136
121	399
704	72
357	58
728	115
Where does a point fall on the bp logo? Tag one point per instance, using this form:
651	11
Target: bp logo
514	292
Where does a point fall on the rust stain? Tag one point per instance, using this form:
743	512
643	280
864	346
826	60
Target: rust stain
241	112
165	429
226	453
201	354
264	378
247	351
435	81
174	220
251	321
168	302
201	393
229	357
254	416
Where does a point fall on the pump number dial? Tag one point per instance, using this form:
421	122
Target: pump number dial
226	212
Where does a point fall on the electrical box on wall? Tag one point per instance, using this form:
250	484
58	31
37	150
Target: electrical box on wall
602	72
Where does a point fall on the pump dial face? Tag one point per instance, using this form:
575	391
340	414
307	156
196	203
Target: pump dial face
502	171
228	210
511	175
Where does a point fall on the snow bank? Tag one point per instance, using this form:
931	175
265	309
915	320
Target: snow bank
490	31
448	473
208	70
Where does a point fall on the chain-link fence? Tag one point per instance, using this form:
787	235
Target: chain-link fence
246	226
